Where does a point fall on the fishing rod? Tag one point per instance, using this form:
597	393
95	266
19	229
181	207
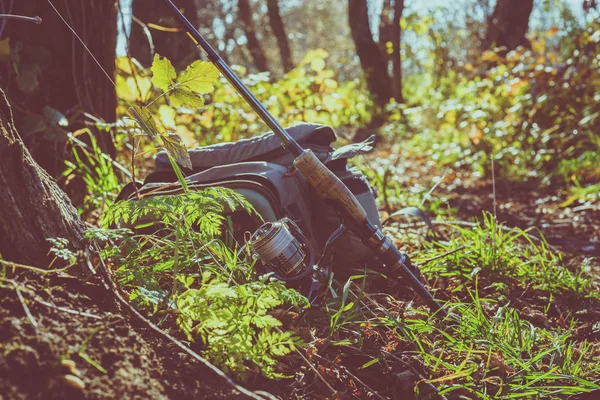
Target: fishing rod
327	185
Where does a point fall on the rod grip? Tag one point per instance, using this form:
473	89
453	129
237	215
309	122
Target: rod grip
329	186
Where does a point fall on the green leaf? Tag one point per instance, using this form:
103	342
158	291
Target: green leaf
184	98
266	321
163	73
175	147
198	77
145	120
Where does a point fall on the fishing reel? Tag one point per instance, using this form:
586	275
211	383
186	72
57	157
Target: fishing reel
284	251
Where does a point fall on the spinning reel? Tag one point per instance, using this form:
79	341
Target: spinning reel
285	252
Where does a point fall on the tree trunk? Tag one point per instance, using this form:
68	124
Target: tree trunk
54	70
174	45
508	24
258	55
396	56
372	59
279	31
385	27
33	206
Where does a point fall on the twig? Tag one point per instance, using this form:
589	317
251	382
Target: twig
113	289
64	309
417	373
331	389
22	300
34	269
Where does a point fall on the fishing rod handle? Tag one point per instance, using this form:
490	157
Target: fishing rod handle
328	186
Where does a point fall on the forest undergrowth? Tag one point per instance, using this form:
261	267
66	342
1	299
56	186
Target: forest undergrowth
504	185
523	319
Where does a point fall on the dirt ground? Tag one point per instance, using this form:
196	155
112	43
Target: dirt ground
76	344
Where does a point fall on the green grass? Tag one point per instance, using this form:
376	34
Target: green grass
501	253
473	353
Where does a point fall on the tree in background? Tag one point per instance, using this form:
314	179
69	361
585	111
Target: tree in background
280	33
508	24
41	85
154	30
372	56
246	16
396	57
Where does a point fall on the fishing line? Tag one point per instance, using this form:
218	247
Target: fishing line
85	46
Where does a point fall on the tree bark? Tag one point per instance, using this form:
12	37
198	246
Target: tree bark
372	59
256	50
508	24
396	56
385	27
54	70
278	29
174	45
33	206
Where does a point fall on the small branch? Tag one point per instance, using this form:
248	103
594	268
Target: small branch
36	20
312	367
34	269
64	309
22	300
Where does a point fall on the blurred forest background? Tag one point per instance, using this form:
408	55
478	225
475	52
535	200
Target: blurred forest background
459	82
487	118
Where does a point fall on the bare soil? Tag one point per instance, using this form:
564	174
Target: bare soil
111	356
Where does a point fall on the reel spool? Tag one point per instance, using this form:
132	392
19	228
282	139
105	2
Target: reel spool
284	250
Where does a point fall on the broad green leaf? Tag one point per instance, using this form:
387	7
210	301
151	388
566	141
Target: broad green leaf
163	73
173	144
145	120
185	98
198	77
